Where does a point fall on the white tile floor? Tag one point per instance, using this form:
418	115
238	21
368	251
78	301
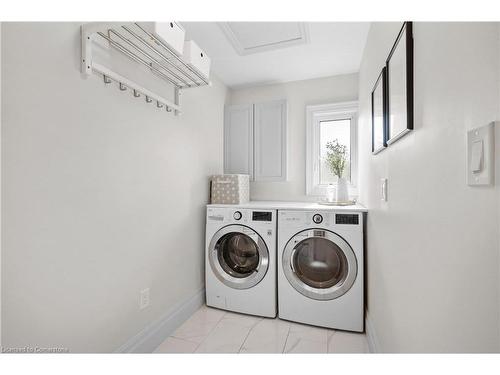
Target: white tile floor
215	331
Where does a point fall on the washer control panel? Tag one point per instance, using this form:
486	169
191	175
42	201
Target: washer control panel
242	216
262	216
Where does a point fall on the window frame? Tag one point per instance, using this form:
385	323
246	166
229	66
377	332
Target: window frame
315	114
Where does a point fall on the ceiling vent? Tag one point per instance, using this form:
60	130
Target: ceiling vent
255	37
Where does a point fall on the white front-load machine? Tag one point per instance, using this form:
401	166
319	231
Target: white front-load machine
320	268
240	260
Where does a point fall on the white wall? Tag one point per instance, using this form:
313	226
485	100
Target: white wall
432	249
103	195
299	94
497	175
0	184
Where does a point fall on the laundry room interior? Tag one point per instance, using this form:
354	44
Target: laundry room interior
250	187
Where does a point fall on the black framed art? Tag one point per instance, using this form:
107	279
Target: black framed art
399	70
379	113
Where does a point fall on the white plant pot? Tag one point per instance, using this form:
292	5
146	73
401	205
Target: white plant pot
342	192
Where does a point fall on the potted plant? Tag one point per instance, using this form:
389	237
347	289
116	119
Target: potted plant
336	159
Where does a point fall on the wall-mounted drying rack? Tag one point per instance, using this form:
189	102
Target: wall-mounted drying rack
139	44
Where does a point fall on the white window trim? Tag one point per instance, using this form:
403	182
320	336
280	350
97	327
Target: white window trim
315	114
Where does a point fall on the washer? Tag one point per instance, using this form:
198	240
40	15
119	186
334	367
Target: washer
320	268
240	260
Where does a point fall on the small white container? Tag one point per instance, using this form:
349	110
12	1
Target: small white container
196	58
171	33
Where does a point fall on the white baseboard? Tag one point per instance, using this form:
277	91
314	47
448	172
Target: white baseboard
371	335
155	333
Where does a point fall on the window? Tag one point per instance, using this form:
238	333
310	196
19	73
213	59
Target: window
330	130
328	123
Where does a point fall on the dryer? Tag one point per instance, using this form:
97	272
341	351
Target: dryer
320	268
240	260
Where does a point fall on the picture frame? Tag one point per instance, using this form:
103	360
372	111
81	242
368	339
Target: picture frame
399	78
379	113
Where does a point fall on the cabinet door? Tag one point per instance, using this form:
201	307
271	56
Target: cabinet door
270	141
238	139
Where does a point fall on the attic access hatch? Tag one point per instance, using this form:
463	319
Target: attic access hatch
158	48
254	37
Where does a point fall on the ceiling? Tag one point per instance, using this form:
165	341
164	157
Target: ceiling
253	53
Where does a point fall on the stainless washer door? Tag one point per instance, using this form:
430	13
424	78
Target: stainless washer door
319	264
238	256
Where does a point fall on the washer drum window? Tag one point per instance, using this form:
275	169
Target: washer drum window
319	264
238	256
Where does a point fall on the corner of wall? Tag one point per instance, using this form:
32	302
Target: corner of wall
0	184
497	172
371	335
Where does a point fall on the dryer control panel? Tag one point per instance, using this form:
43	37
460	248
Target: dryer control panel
320	218
352	219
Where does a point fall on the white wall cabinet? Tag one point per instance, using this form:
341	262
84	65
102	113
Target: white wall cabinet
238	139
255	140
270	141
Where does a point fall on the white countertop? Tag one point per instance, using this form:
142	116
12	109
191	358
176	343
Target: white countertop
285	205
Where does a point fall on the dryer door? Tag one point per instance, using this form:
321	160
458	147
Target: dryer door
319	264
238	256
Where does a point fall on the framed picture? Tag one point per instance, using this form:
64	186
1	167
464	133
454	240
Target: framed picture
399	68
379	113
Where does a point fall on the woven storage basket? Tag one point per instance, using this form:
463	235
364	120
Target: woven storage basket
230	189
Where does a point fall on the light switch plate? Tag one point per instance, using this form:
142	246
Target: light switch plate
383	189
481	155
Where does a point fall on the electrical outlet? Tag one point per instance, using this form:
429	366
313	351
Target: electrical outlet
144	299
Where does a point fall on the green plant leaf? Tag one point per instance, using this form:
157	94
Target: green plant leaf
336	157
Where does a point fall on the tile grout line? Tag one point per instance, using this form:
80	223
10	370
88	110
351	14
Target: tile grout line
248	334
208	334
328	341
286	340
182	339
175	338
183	324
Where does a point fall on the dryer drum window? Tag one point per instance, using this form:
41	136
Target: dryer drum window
319	267
320	263
238	254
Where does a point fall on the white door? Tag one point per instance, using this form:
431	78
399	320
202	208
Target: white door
238	139
270	141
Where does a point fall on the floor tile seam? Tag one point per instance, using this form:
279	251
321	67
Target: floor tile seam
286	340
208	334
248	334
